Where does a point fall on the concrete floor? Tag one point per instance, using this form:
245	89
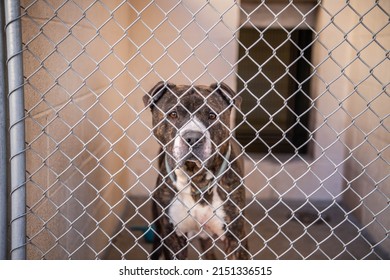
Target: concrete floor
275	233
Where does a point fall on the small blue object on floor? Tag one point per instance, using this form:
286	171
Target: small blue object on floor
147	232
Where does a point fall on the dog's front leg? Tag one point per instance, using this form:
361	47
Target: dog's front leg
236	243
207	248
175	247
166	240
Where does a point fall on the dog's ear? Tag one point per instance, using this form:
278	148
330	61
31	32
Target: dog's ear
227	93
156	93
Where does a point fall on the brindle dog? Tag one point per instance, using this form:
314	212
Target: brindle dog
200	191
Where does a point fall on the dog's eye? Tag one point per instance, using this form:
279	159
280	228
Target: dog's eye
173	115
212	116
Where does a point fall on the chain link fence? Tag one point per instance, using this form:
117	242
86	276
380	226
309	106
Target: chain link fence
313	125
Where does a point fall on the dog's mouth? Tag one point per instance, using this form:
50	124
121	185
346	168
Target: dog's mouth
193	162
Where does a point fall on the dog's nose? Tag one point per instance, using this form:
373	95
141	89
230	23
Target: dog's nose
192	137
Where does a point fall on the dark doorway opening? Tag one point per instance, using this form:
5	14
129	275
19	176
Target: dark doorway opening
273	79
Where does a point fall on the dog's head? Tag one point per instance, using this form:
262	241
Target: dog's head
192	123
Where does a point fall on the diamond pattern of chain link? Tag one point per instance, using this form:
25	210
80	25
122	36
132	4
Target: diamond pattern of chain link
92	158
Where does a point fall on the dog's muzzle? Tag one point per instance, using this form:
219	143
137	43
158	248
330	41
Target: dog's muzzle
192	143
192	147
193	138
216	177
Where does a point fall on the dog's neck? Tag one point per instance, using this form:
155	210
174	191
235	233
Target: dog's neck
203	180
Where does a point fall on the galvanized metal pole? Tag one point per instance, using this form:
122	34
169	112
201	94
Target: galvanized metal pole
3	144
16	130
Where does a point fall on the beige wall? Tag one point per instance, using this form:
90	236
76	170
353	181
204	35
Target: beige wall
367	137
90	147
350	121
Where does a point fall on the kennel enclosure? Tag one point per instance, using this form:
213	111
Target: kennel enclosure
80	162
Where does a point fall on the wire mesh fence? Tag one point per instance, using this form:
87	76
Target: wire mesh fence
313	124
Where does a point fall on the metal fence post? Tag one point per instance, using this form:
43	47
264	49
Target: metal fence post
3	144
313	125
17	133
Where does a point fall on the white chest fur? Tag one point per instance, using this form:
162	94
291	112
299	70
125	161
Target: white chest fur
192	218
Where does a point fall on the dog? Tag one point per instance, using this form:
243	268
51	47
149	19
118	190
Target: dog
199	191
